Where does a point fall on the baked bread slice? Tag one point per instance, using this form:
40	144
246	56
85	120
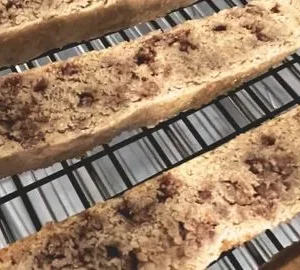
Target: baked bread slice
185	218
61	110
48	24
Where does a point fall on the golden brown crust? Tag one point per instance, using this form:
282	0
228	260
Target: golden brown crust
60	110
187	217
53	28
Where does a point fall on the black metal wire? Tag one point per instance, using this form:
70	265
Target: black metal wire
295	232
28	205
285	86
157	147
75	185
263	249
185	15
213	5
109	151
194	132
170	21
228	117
118	166
234	261
274	240
5	229
256	255
257	100
176	142
97	181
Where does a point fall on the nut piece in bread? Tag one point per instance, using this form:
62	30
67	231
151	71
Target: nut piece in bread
64	109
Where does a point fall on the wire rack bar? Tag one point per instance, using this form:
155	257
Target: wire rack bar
106	171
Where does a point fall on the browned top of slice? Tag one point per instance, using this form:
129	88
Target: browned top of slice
70	99
18	12
22	12
185	218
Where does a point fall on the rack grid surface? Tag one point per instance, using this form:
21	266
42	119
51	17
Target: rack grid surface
30	200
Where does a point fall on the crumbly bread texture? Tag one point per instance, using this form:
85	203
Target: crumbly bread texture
185	218
29	28
63	109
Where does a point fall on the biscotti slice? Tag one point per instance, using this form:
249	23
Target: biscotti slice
61	110
29	28
185	218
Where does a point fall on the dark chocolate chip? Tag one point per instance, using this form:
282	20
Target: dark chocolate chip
145	55
267	140
182	231
134	76
9	4
220	28
125	211
261	189
113	252
168	188
41	85
69	69
86	99
261	36
204	194
275	9
12	80
185	45
134	262
181	37
255	165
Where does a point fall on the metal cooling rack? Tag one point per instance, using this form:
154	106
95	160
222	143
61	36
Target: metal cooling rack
29	200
